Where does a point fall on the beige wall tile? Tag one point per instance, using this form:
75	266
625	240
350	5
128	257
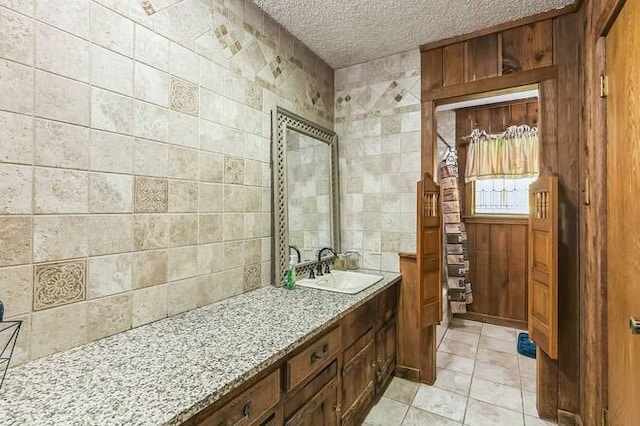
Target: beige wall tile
183	230
16	86
233	170
183	196
61	53
23	6
212	107
15	240
214	138
211	75
211	197
111	30
109	275
58	329
220	286
232	226
110	193
252	199
252	277
56	284
111	152
184	63
182	163
183	129
150	231
211	167
62	99
150	122
16	37
70	15
210	258
111	71
61	145
15	189
149	304
110	111
182	263
59	237
61	191
233	255
16	138
182	295
210	228
16	290
151	48
22	349
233	198
110	234
151	85
109	315
149	268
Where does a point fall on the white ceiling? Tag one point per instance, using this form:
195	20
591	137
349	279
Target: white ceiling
348	32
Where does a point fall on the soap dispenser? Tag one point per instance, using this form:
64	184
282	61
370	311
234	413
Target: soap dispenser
291	273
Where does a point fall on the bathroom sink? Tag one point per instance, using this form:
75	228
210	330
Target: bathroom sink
341	282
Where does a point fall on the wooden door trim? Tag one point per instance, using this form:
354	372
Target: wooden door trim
504	26
610	12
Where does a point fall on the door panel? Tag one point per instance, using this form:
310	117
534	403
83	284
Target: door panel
543	264
429	251
623	213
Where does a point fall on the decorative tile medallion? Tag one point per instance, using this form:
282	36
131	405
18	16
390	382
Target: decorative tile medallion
233	170
151	195
148	8
184	96
252	277
58	284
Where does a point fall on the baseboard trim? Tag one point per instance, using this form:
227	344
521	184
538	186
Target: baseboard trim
490	319
412	374
567	418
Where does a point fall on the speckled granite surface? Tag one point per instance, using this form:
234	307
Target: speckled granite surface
163	373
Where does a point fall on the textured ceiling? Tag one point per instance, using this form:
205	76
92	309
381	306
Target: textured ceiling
348	32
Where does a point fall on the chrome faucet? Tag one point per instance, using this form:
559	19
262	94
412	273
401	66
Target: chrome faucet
327	270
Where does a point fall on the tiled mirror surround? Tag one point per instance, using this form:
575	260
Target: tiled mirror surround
134	150
377	109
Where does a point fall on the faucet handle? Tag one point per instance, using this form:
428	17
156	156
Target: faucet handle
312	274
319	266
327	269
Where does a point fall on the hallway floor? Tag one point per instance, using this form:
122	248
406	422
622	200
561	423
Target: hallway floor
482	381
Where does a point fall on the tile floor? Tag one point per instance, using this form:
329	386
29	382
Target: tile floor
482	381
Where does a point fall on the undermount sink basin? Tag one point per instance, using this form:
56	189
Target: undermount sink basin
341	282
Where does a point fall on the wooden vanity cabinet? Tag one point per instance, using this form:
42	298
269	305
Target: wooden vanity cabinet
333	379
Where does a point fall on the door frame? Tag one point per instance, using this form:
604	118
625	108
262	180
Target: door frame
593	271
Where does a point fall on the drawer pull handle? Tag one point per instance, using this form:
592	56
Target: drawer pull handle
246	412
315	356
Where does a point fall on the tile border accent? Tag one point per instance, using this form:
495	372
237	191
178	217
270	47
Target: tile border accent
152	195
184	97
59	283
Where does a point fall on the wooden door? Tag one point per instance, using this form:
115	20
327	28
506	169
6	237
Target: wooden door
543	264
623	214
429	256
319	410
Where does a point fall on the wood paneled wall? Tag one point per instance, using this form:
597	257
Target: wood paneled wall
522	58
497	246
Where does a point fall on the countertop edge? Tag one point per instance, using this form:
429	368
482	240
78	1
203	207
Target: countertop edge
188	413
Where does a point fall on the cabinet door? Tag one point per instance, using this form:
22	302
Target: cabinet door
385	354
320	410
358	375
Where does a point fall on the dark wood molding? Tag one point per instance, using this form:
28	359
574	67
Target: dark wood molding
502	82
407	255
498	220
502	27
607	17
491	319
411	374
567	418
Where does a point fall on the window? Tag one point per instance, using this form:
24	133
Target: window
502	196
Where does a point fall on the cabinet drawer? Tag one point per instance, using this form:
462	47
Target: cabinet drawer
357	323
312	359
250	406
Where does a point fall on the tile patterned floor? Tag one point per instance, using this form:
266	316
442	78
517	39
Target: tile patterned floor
482	381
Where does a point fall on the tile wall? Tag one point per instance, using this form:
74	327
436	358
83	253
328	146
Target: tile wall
134	150
377	110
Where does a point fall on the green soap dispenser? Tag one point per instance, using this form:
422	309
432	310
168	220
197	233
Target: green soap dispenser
291	273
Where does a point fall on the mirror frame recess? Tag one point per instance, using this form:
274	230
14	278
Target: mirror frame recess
284	120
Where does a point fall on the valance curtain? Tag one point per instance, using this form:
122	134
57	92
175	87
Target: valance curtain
512	154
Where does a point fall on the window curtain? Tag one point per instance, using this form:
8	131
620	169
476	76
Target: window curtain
512	154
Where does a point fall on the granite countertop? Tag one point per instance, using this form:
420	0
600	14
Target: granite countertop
165	372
